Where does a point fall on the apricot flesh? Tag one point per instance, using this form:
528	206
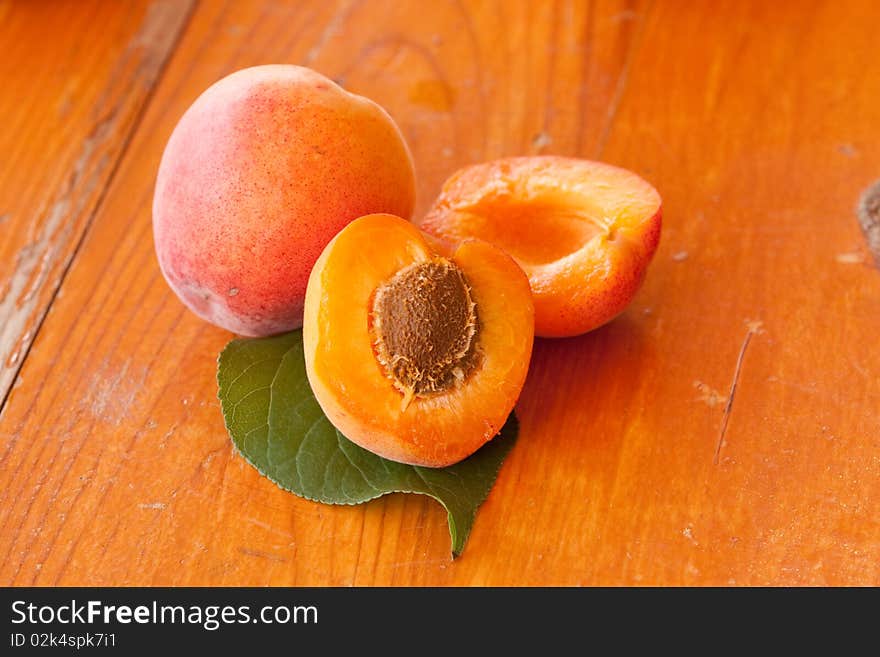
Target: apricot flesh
584	232
443	422
264	168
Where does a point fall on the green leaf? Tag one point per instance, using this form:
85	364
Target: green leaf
278	426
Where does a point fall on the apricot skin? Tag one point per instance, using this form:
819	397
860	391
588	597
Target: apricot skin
261	172
584	232
351	386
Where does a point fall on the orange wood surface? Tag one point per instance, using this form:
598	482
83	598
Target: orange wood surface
75	77
756	121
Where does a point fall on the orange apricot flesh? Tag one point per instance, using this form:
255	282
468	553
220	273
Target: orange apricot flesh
364	328
583	231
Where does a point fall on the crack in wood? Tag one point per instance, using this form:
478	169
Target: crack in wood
754	327
622	81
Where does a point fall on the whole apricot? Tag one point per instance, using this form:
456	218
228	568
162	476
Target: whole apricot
412	353
264	168
583	231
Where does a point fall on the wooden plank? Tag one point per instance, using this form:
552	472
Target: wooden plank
75	77
755	120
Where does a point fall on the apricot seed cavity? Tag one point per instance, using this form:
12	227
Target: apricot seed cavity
583	232
425	328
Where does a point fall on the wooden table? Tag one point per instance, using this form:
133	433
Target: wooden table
757	121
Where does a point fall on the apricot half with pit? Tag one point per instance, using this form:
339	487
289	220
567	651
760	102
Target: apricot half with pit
415	354
583	231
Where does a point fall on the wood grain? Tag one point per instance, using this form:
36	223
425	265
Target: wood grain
724	430
75	77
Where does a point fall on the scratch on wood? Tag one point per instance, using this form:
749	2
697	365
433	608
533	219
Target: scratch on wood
333	27
541	141
849	150
753	328
709	395
442	563
625	15
114	391
269	528
869	219
849	258
262	555
616	99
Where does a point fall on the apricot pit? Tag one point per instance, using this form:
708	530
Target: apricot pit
425	325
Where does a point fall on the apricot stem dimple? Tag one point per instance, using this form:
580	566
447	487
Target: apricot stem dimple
424	325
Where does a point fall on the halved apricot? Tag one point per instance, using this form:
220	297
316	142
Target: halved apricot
416	355
584	232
